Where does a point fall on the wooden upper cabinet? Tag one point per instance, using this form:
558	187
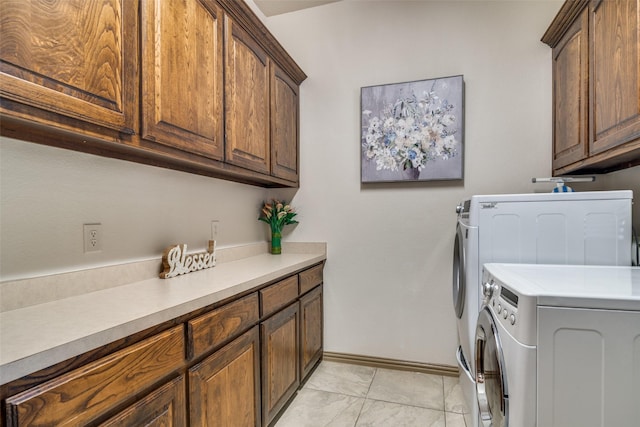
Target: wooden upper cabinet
615	73
76	58
246	100
596	85
570	94
195	85
182	75
284	126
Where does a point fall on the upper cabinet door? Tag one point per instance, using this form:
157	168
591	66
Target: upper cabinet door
570	94
615	76
284	126
182	75
247	101
76	58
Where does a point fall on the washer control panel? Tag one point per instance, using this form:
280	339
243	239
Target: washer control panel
505	310
517	313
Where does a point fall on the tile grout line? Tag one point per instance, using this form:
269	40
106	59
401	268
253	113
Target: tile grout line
375	372
366	396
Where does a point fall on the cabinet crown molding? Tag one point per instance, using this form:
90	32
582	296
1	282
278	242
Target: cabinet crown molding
242	14
563	20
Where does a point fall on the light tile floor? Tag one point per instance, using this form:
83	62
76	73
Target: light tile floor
344	395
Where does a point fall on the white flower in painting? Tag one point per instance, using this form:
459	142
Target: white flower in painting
450	141
448	119
366	112
388	124
386	161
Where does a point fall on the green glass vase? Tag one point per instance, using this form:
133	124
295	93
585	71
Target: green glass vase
276	242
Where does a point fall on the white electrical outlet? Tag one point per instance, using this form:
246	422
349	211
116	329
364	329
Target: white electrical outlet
215	227
92	237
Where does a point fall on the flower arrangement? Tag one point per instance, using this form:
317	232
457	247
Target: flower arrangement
277	214
410	133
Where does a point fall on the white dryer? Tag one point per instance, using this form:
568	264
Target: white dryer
559	346
554	228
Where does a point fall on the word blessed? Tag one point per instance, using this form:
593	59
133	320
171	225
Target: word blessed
175	260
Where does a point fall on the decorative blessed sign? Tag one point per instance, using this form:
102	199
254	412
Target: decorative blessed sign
175	260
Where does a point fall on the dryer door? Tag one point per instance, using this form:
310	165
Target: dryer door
491	380
459	270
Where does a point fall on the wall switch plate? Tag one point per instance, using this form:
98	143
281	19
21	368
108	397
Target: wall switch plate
92	237
215	227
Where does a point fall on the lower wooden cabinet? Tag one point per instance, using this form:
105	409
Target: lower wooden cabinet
311	321
213	329
84	394
280	360
226	367
224	389
164	407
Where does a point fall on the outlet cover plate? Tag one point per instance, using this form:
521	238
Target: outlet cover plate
92	237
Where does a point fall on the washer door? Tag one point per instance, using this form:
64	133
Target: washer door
459	270
491	379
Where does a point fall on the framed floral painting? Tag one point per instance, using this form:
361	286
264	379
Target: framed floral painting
412	131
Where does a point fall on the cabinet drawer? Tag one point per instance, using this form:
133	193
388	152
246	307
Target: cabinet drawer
165	406
79	396
278	295
215	328
310	278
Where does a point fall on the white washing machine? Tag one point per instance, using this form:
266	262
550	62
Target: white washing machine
554	228
559	346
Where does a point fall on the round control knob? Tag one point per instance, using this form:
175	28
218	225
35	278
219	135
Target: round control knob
499	309
487	289
512	319
505	314
459	209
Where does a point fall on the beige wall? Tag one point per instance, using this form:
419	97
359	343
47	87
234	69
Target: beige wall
47	194
388	275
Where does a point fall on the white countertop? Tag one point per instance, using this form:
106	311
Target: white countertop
39	336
